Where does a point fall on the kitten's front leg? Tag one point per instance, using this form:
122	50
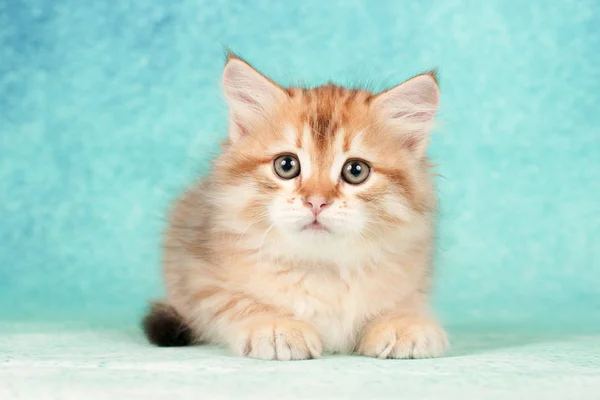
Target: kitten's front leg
260	331
403	336
273	338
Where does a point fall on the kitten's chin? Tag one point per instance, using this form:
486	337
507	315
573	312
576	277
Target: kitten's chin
315	228
321	244
322	230
309	233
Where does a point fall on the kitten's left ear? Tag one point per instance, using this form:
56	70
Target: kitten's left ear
251	96
409	109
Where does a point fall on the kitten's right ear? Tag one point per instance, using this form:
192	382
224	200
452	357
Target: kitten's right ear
410	108
251	96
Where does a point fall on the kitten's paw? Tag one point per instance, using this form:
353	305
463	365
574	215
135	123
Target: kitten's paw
279	339
403	338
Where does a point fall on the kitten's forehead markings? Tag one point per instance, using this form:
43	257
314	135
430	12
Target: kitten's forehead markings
338	143
356	142
358	149
306	139
308	156
339	156
290	135
362	150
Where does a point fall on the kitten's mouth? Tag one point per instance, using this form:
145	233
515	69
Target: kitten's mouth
316	227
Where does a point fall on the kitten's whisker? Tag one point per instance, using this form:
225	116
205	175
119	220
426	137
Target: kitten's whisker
242	234
384	223
255	221
384	240
262	242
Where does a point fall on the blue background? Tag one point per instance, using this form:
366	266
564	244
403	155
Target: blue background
109	108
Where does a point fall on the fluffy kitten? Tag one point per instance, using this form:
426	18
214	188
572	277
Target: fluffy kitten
313	231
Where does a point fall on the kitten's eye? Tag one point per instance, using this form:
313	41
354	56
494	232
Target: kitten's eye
355	172
286	166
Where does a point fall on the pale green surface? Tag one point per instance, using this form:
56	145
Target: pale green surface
108	108
117	364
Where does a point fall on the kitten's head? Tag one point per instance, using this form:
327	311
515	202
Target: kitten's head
324	166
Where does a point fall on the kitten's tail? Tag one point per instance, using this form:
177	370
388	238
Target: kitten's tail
165	327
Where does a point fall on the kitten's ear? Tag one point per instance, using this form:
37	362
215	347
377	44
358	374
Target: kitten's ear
410	108
250	95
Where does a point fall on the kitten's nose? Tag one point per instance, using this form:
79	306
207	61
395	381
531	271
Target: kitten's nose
316	203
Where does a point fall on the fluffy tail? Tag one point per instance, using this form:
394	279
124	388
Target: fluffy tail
165	327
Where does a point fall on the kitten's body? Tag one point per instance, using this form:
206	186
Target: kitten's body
245	268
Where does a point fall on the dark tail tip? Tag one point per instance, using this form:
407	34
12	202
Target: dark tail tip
165	327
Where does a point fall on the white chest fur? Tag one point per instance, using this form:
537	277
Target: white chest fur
337	304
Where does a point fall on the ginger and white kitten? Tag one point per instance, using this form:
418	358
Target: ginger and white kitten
313	232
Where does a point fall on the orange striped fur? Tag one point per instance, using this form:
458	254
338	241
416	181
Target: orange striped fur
240	265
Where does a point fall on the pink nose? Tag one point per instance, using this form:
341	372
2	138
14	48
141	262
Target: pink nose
316	204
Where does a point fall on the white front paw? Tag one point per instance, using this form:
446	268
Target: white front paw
403	337
278	339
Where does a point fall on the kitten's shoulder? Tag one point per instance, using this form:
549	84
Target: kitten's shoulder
191	208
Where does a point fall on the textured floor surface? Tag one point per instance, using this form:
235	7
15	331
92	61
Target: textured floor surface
119	364
108	108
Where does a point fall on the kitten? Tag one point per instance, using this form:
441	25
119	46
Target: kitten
313	231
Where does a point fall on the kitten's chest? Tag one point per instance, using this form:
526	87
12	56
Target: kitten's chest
338	306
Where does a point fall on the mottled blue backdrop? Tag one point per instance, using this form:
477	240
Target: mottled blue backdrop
108	108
